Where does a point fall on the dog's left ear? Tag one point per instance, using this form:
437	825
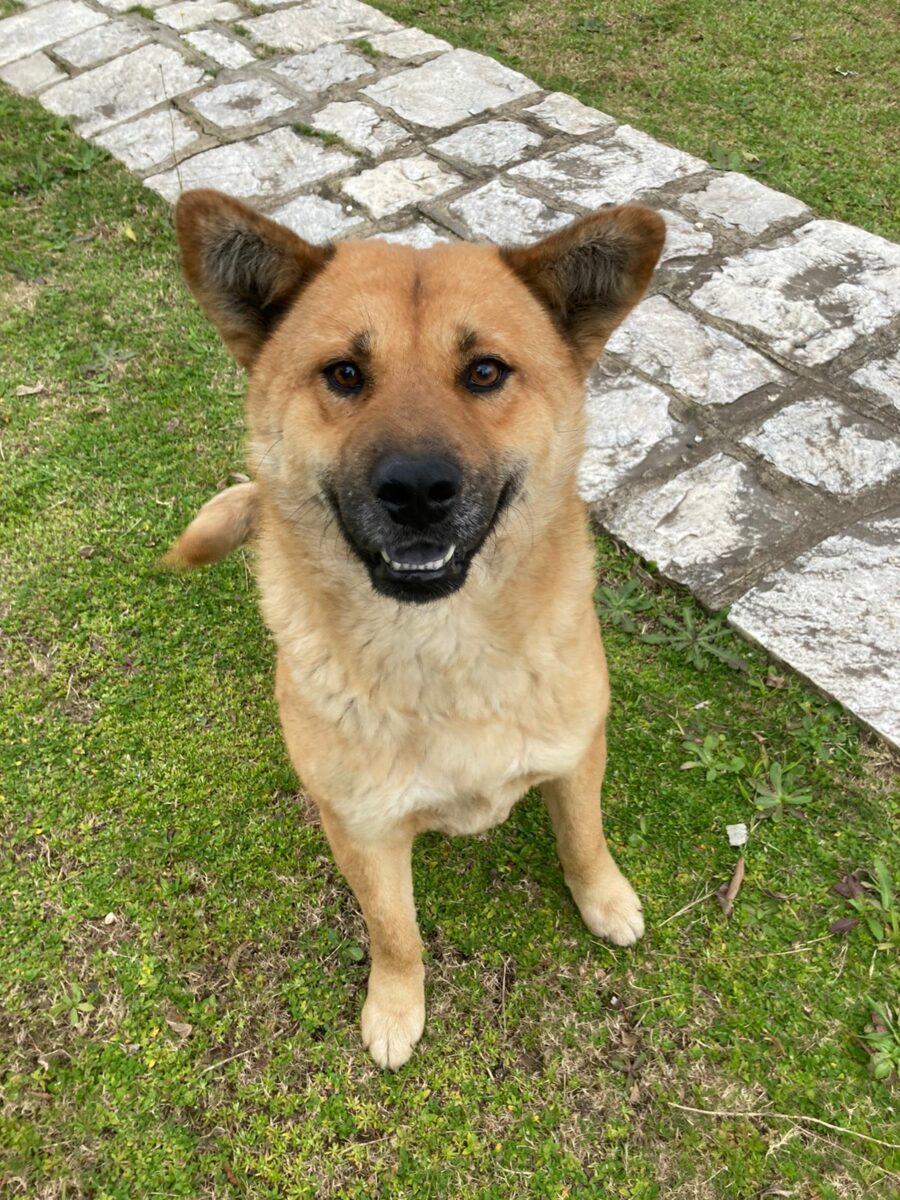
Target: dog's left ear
592	273
245	269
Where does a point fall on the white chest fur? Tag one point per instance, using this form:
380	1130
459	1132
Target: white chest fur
428	714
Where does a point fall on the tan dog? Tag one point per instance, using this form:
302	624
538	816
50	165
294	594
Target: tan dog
425	564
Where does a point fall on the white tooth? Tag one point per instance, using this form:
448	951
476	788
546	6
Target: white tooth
386	557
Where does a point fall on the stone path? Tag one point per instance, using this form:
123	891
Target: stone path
745	424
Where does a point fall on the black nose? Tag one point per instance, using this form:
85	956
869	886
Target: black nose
416	491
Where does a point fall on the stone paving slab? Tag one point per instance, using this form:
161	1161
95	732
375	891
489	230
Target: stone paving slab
743	431
699	523
826	444
122	88
811	294
24	33
449	89
834	616
698	360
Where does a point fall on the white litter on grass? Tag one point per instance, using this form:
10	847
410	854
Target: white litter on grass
737	834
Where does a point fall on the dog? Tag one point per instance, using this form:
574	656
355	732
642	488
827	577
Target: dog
425	565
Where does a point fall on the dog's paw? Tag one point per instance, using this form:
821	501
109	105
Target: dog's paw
611	910
390	1029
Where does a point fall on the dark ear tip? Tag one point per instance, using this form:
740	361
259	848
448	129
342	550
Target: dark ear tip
199	202
647	221
634	220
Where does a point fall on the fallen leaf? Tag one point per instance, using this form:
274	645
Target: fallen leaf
848	886
182	1028
877	1023
86	552
727	896
239	477
171	426
129	233
772	680
843	926
24	390
109	919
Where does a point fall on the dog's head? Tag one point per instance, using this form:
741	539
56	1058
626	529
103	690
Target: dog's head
414	395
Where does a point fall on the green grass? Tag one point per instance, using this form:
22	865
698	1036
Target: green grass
802	94
182	968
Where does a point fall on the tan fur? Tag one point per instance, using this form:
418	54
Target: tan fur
401	718
221	525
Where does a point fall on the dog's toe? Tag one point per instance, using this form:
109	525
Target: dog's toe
611	910
390	1033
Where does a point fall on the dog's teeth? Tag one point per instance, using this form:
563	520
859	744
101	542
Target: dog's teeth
435	565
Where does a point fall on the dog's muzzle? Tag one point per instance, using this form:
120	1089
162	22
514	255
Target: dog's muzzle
418	525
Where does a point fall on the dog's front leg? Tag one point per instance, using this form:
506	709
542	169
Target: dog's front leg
605	899
380	874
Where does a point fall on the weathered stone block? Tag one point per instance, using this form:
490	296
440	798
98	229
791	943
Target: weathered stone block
823	443
148	141
26	32
834	616
189	14
882	376
245	102
684	239
316	219
420	235
307	28
704	363
408	43
102	42
360	126
610	172
743	203
708	518
353	19
627	419
323	68
498	212
222	49
449	89
569	115
812	293
262	168
123	87
402	181
28	75
491	144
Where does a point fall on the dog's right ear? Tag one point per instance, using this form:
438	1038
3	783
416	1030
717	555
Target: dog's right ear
244	269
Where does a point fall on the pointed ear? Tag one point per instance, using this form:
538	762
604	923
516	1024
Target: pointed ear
244	269
593	272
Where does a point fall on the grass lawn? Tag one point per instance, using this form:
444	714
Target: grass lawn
802	94
181	968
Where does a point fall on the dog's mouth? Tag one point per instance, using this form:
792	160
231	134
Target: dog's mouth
419	572
430	567
424	560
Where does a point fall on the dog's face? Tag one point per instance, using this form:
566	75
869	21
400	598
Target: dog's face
411	397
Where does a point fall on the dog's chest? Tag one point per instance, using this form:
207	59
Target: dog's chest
441	726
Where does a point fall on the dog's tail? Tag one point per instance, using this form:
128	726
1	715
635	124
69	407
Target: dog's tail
221	525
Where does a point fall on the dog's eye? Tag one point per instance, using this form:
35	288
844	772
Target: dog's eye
485	375
345	377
